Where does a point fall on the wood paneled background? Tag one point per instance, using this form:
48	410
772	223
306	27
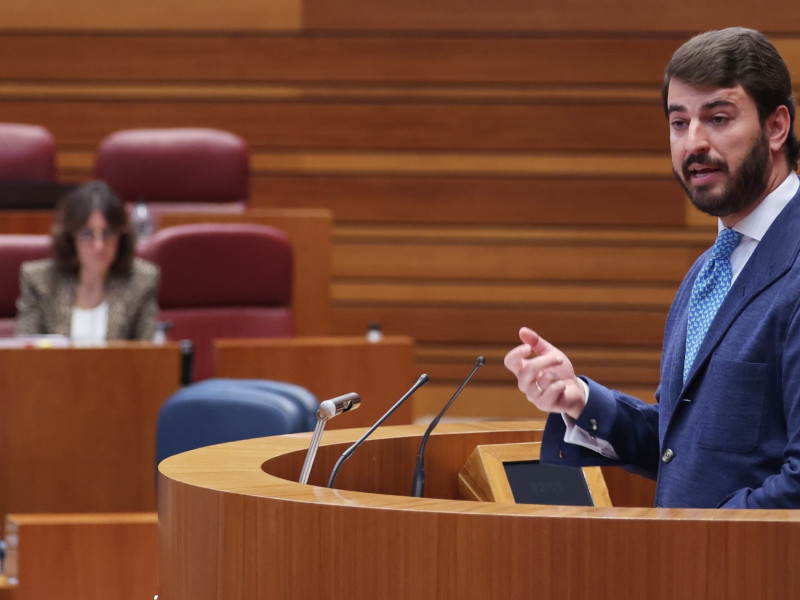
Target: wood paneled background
488	164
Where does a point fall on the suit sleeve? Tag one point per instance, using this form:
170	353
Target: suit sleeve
30	314
627	423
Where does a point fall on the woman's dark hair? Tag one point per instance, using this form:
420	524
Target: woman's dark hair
73	212
737	56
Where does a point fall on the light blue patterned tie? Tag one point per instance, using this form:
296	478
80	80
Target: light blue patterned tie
709	291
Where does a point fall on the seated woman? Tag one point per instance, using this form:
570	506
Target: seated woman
94	289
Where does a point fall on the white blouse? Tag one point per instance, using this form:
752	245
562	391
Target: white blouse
89	324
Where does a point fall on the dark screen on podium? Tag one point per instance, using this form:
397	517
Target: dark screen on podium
535	483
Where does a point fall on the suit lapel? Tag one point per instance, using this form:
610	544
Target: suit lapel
773	256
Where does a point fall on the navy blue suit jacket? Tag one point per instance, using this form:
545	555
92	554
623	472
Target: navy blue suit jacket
729	436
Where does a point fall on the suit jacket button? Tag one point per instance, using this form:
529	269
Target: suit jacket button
668	455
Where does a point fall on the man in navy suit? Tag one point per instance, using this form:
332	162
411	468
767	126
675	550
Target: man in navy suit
725	431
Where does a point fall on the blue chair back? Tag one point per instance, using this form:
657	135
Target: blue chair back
215	411
305	400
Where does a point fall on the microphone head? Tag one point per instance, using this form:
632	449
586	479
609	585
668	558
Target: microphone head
480	362
336	406
326	410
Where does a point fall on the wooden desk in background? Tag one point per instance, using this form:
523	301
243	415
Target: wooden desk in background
77	426
26	221
81	556
7	591
380	372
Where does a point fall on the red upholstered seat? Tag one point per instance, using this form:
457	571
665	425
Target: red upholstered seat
27	153
14	250
177	168
223	280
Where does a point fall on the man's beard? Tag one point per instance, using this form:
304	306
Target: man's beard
741	190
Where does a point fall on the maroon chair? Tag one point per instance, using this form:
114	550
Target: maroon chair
14	250
27	153
222	280
177	169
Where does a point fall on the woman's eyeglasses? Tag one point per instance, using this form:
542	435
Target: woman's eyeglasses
88	235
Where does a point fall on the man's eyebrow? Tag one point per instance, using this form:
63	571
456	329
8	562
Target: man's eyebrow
675	108
717	103
707	106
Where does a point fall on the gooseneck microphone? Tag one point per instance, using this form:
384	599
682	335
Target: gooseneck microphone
327	410
418	484
423	379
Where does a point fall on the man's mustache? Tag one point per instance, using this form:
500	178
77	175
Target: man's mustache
702	159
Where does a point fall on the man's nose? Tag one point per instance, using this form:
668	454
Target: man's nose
697	141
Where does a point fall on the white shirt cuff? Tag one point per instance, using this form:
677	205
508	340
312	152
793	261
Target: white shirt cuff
581	437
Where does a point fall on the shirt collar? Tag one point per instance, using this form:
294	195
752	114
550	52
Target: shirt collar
755	224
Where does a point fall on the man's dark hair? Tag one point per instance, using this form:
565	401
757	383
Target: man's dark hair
72	213
727	57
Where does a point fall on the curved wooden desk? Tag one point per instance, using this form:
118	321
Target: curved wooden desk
234	525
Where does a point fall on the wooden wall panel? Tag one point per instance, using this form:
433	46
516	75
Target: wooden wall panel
474	200
513	60
564	326
498	259
524	293
401	15
151	15
630	165
374	126
323	58
567	15
486	164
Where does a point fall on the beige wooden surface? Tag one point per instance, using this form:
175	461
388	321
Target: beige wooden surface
380	372
234	523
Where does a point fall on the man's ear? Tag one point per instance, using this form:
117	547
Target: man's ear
777	128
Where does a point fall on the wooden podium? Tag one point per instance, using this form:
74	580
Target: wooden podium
234	524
